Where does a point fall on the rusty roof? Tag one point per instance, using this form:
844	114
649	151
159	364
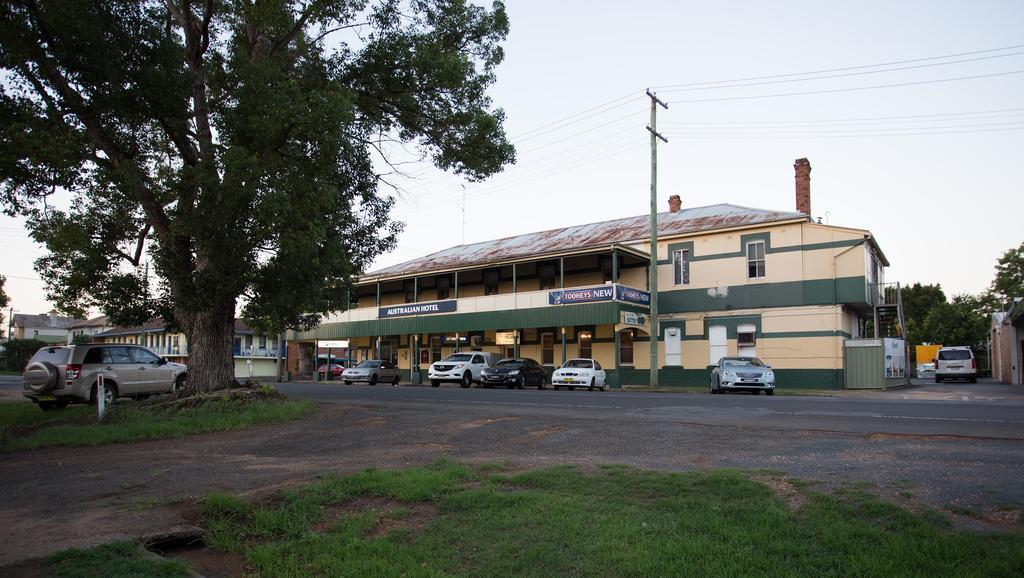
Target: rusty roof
630	229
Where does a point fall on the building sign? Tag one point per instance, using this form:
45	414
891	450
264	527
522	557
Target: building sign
505	338
343	344
630	295
632	318
589	295
451	338
417	309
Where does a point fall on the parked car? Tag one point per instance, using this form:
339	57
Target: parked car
373	371
59	375
335	369
517	372
580	372
742	374
955	363
464	368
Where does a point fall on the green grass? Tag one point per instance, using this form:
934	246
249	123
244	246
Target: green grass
616	521
24	426
116	560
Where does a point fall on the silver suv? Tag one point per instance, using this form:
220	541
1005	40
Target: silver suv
59	375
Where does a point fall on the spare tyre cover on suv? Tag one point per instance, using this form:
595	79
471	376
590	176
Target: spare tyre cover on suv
41	376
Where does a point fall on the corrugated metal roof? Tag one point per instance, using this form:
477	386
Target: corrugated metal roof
43	321
581	236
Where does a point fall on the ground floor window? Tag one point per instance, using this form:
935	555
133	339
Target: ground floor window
547	348
626	347
585	340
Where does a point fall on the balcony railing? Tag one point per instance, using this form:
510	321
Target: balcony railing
255	352
502	302
881	294
170	351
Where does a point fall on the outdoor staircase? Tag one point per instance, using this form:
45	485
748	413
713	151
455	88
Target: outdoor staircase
888	310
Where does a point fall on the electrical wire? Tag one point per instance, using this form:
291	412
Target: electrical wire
848	89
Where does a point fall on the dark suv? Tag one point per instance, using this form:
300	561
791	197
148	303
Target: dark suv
59	375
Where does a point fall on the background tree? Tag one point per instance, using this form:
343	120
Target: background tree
1009	279
233	143
4	301
918	301
961	322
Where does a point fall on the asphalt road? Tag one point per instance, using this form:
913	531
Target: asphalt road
1003	419
953	447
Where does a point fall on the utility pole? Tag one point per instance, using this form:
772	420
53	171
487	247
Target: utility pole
653	267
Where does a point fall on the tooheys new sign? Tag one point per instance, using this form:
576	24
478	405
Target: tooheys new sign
417	309
563	297
630	295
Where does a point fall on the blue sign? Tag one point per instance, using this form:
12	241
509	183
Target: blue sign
630	295
417	309
566	296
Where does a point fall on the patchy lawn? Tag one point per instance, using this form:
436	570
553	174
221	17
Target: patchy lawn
25	426
453	519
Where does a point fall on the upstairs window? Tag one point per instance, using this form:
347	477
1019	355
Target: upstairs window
755	260
606	269
681	266
491	280
546	272
444	286
410	291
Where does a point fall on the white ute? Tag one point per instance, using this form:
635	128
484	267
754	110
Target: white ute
463	368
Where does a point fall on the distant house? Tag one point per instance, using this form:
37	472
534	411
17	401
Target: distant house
47	327
88	328
255	353
1007	336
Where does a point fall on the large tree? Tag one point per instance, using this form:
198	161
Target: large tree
960	322
1009	279
233	144
918	302
4	300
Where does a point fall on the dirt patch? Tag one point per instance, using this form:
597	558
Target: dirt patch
28	569
785	490
435	447
371	422
1009	519
539	434
486	421
392	515
191	548
886	437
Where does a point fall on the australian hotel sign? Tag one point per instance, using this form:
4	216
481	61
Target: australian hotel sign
417	309
603	293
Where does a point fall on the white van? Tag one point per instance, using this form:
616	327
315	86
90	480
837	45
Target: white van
955	363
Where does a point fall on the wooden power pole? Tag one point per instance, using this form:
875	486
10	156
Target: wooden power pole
653	267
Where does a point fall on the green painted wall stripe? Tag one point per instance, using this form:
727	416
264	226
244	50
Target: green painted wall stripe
744	239
566	315
784	378
762	295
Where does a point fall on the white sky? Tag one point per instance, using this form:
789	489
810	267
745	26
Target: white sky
943	206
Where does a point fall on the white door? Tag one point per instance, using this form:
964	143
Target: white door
673	346
719	342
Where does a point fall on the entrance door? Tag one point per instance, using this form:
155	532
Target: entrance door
389	351
717	338
435	348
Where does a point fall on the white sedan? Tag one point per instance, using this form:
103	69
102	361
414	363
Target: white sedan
580	372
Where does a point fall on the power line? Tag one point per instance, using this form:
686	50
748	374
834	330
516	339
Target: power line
828	70
843	75
848	89
523	136
873	129
776	136
856	119
20	277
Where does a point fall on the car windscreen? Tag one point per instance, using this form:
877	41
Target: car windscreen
55	355
579	364
954	354
369	364
734	363
510	363
459	357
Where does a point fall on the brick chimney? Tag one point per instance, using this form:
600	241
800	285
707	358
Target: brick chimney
803	186
674	203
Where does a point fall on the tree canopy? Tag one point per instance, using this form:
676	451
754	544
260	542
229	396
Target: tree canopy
1009	280
4	300
235	144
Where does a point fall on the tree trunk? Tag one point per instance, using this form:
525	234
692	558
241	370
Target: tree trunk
211	363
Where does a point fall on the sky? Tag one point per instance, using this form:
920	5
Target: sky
932	168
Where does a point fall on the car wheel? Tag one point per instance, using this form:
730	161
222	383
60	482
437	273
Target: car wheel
373	379
179	384
938	379
48	380
520	382
770	392
395	382
540	382
347	382
557	387
467	380
571	388
974	380
592	382
435	383
47	405
109	393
